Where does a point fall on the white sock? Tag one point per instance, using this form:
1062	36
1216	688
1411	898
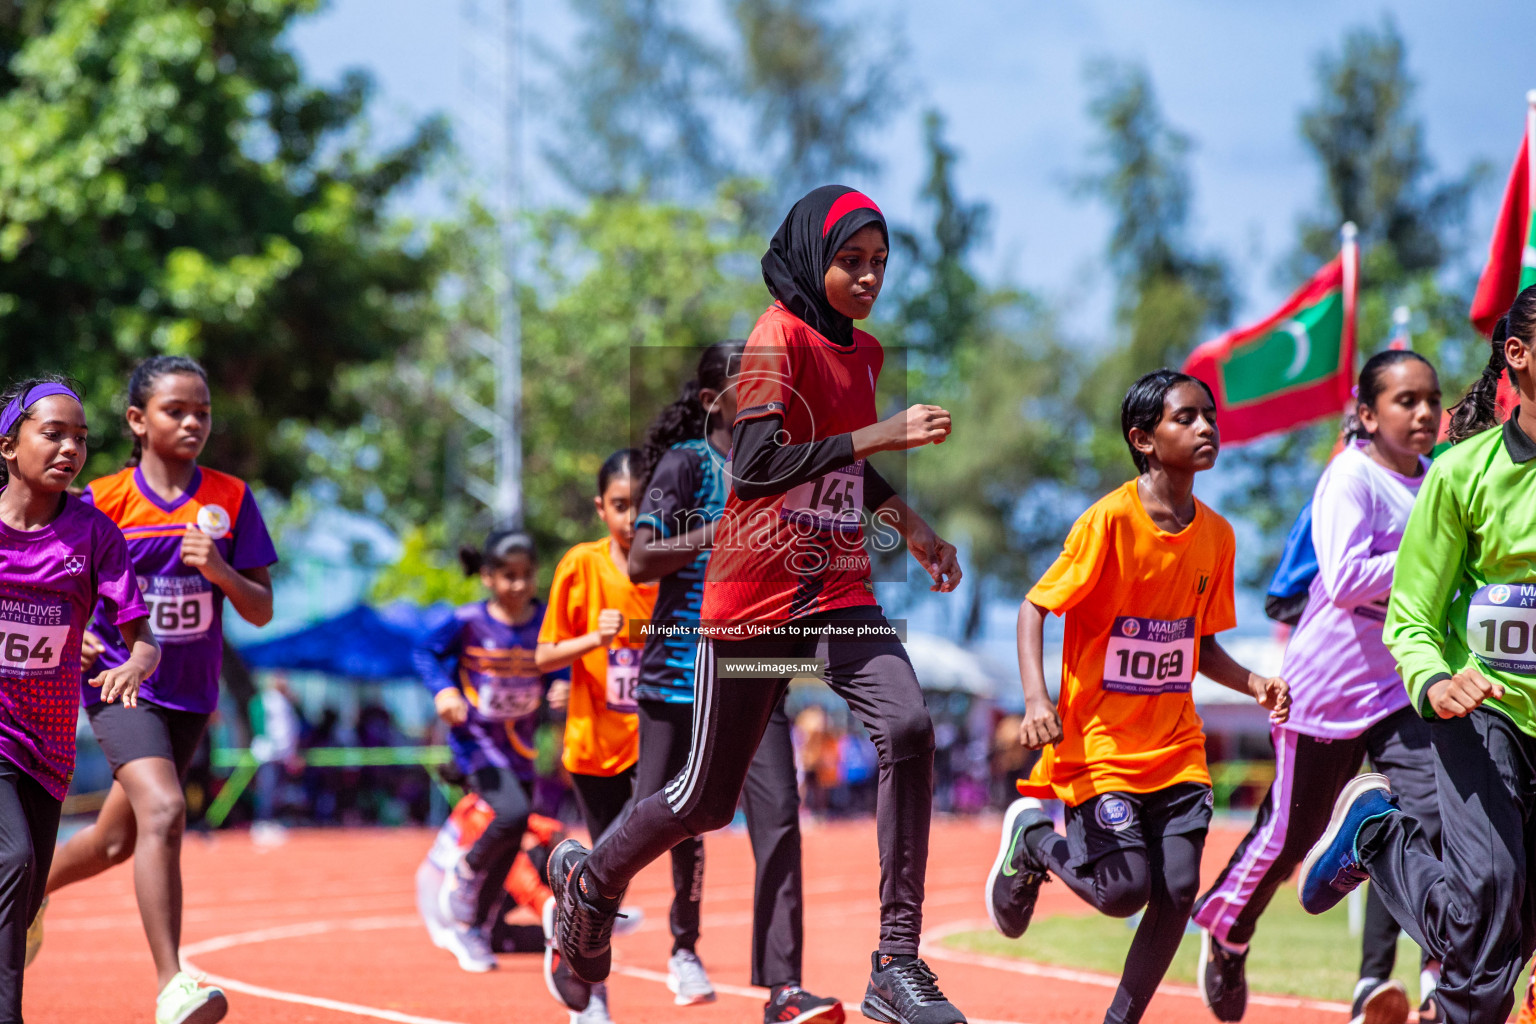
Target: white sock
1429	980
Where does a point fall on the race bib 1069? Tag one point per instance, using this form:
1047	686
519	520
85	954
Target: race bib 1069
1150	656
180	607
623	678
1501	627
832	501
33	636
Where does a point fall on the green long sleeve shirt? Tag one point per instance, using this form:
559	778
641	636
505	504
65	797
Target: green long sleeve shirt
1464	591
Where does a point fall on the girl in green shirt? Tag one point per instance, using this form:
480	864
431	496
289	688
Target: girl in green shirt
1462	625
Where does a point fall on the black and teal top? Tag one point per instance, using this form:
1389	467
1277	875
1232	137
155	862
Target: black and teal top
686	490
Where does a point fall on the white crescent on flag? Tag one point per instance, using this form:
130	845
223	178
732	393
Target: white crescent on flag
1298	331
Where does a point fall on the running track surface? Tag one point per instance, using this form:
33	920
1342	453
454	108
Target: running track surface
324	929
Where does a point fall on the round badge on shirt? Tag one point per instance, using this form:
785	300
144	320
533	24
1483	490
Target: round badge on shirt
214	521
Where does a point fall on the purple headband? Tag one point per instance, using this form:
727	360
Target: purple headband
24	401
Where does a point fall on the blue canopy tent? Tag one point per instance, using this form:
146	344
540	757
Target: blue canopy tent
360	643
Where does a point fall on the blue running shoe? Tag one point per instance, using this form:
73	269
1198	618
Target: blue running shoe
1332	868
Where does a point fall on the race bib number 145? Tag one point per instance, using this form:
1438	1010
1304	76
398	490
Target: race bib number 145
1501	627
832	501
1150	656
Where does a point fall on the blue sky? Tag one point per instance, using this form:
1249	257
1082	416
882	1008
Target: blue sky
1010	79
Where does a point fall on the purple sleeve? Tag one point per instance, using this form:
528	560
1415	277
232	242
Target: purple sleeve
1343	533
117	586
251	547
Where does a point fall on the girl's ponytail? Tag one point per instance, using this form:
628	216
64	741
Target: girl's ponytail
686	419
1478	408
683	420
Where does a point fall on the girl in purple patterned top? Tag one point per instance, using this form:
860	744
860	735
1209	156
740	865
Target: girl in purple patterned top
57	557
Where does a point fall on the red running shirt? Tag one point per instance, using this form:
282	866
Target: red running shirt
795	554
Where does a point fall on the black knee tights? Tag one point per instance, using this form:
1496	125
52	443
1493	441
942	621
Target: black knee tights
1164	878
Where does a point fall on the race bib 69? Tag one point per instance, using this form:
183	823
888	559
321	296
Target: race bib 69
1501	627
180	607
1150	656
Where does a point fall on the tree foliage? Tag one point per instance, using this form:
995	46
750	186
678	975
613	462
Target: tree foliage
1368	142
1169	292
170	182
992	355
645	105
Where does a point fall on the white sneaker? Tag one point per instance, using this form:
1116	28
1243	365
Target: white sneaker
687	979
629	920
597	1008
470	947
184	1001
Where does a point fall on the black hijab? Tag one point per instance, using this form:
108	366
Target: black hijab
795	265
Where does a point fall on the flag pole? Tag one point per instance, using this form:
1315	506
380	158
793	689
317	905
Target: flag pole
1349	237
1530	146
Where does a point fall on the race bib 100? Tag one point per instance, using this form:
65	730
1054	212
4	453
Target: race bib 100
502	698
623	678
833	501
1150	656
33	636
180	607
1501	627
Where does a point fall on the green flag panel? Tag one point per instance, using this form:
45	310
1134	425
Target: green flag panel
1300	351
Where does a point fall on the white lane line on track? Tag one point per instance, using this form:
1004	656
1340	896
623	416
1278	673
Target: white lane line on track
298	931
932	950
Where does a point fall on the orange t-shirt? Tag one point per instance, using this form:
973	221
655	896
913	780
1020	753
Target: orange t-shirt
601	728
1137	601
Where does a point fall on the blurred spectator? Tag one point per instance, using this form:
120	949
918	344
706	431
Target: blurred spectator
275	728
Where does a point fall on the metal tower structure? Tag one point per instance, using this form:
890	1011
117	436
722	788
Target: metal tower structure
492	116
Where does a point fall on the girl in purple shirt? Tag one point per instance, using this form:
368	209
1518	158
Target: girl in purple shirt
195	538
57	557
1347	701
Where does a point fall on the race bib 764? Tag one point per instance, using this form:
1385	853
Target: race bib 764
33	636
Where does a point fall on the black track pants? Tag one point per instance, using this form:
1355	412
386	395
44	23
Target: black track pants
730	718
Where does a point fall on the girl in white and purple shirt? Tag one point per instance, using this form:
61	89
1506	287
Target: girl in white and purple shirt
1347	700
57	557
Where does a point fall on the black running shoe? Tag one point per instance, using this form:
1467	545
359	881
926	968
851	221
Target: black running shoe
1430	1010
1380	1002
1013	885
903	990
1222	978
794	1005
583	928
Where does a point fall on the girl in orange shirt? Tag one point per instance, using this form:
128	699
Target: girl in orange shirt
1145	583
592	624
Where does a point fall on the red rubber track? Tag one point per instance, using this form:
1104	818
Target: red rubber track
330	915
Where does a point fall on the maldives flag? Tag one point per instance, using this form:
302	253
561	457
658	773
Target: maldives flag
1512	253
1291	368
